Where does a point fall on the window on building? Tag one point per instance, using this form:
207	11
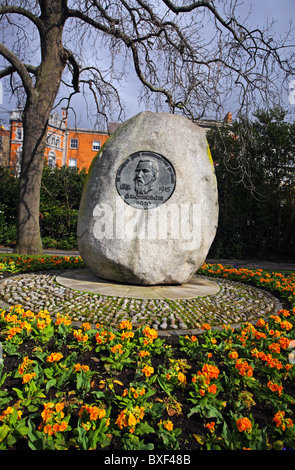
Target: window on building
19	133
18	160
73	162
96	145
58	142
74	143
51	159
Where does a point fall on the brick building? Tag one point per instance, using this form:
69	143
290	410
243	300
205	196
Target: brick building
4	146
65	146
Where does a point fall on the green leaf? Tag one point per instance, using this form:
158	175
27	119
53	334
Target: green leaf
213	413
164	385
200	439
50	383
144	428
19	393
35	438
195	409
4	430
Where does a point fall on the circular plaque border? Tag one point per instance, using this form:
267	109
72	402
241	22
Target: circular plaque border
153	198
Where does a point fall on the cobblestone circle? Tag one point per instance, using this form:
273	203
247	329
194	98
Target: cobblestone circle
234	303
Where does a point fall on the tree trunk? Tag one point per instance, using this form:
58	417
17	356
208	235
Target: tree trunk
28	230
35	121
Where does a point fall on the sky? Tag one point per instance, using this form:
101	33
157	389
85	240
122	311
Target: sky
282	11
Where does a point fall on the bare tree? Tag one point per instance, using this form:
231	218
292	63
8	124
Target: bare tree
192	57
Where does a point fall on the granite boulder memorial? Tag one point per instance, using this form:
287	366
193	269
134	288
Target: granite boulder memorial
149	208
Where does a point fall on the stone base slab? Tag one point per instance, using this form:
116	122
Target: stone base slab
84	280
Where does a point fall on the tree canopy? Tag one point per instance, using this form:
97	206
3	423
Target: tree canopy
255	168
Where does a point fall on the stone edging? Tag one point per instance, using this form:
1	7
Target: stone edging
37	291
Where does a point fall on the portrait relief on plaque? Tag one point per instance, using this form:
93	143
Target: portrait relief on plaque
145	180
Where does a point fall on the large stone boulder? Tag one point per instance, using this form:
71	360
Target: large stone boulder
149	208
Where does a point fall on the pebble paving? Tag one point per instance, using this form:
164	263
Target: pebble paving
233	304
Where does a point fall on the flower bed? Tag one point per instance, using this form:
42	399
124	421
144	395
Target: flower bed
27	264
91	388
63	387
279	283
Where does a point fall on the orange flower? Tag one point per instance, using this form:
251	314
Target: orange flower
261	323
275	387
233	355
275	348
281	421
127	335
286	325
59	407
80	336
210	426
210	371
125	325
150	333
212	389
24	365
244	424
130	418
244	368
54	357
117	348
168	425
147	370
143	353
78	367
93	412
284	342
28	377
206	326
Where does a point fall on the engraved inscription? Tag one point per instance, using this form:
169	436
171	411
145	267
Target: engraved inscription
145	180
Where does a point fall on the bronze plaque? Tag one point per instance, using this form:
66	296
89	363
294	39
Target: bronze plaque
145	180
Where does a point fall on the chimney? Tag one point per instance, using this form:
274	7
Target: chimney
64	117
228	117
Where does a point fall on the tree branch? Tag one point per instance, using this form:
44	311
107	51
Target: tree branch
20	68
4	9
76	69
11	69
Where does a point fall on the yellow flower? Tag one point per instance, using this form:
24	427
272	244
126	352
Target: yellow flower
125	325
131	420
147	370
150	333
127	335
80	336
167	424
86	326
181	378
